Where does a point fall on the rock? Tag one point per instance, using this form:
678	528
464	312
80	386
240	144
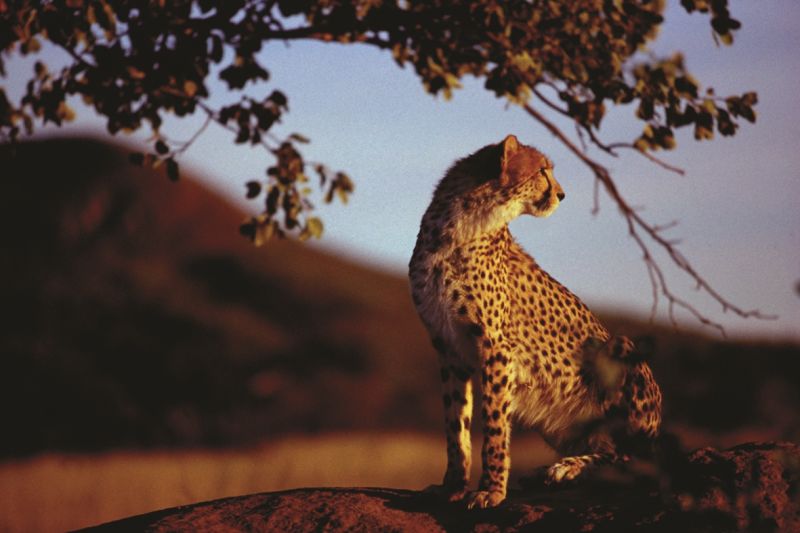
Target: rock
751	487
750	484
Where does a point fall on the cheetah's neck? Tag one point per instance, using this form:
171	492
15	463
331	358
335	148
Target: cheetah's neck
459	224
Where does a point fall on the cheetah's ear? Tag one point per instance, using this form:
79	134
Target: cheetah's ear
510	147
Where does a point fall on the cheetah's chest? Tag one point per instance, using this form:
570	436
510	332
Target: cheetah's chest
494	287
461	290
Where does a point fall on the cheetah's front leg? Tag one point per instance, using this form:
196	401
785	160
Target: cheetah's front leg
457	398
496	400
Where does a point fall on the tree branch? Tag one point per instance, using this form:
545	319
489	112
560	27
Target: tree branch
651	157
185	146
551	104
325	34
640	230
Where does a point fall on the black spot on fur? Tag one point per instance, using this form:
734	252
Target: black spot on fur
461	373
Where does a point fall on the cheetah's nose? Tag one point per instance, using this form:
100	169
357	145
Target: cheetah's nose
560	195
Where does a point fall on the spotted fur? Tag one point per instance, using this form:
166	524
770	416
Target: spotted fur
537	352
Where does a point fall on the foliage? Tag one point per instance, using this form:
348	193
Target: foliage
135	61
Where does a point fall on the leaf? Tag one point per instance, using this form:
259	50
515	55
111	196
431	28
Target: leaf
243	136
172	169
30	46
342	186
136	73
253	189
242	71
271	202
299	138
228	112
65	112
40	69
248	229
264	232
266	117
279	99
702	132
645	110
750	98
724	123
190	88
315	227
235	76
322	173
292	7
399	53
686	85
726	38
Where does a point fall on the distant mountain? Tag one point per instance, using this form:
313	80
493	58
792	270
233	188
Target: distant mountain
134	315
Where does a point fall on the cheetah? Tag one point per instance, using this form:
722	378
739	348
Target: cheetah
535	351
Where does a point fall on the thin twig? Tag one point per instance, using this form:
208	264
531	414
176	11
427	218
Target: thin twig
604	147
550	104
77	57
579	133
648	155
215	116
200	130
579	126
663	227
609	148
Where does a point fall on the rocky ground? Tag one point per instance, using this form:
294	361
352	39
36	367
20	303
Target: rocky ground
750	487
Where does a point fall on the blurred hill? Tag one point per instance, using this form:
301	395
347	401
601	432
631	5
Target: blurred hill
134	315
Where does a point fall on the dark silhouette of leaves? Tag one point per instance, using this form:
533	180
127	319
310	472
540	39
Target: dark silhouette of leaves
135	62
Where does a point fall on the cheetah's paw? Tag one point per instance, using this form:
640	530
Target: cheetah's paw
563	471
482	499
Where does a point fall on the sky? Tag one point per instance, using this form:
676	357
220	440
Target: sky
737	206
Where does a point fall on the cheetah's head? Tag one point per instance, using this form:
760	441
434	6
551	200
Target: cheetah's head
528	175
488	189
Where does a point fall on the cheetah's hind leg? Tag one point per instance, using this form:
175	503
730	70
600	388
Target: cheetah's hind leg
568	468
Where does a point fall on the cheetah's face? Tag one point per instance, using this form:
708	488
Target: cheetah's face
529	175
543	193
